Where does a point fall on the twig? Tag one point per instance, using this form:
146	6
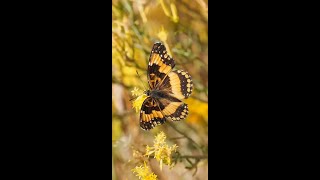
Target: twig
193	165
173	138
195	157
191	140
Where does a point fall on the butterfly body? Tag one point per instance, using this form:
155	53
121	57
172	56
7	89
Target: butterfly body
167	90
160	94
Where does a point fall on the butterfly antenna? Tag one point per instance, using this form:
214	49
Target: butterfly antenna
141	81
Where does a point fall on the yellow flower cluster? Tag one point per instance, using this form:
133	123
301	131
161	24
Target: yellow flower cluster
137	103
144	172
160	150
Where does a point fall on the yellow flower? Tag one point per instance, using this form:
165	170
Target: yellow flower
160	139
144	172
137	103
149	150
161	150
136	91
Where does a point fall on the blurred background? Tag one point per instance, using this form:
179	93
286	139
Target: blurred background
182	26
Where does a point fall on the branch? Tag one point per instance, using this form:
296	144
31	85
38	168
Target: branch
191	140
193	165
181	137
195	157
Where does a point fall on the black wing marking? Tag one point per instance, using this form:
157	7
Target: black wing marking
160	64
150	114
178	83
173	110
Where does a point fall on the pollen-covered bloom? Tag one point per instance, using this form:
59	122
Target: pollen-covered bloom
136	92
137	102
144	172
161	150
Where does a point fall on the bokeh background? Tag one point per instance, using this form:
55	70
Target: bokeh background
182	25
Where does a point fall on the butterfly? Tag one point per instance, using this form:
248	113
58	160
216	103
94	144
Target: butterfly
167	89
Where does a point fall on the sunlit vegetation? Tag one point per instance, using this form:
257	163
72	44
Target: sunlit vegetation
182	26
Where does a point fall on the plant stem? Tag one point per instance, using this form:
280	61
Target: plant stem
177	137
197	145
195	157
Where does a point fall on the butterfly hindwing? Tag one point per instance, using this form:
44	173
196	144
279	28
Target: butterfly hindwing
178	83
173	109
150	114
180	113
160	64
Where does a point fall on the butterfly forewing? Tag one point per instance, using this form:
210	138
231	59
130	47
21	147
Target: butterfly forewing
160	64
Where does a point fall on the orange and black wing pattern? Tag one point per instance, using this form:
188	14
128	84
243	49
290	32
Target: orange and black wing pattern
173	109
178	83
150	114
156	111
160	64
167	90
